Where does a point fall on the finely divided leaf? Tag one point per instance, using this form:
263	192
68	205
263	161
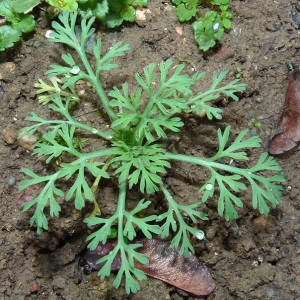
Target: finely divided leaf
51	147
81	188
225	202
266	162
144	224
115	51
65	30
128	105
182	241
141	164
197	102
101	235
238	144
149	78
47	195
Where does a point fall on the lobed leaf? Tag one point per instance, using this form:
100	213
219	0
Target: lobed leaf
157	125
65	5
65	30
141	164
185	11
238	144
128	105
105	63
225	202
8	36
100	235
142	223
182	241
90	9
108	259
150	76
173	219
81	188
51	147
47	195
208	189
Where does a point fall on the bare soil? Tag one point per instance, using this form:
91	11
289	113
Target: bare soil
253	257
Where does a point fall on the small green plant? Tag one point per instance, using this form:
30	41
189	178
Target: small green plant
17	21
255	123
49	91
64	5
238	73
209	28
134	154
111	13
186	9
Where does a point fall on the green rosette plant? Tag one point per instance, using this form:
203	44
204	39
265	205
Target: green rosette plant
139	121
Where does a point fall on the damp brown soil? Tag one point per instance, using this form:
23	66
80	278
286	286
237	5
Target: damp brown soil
253	257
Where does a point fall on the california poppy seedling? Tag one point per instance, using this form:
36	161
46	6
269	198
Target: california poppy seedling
134	154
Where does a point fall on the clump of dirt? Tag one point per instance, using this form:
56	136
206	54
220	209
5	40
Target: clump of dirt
253	257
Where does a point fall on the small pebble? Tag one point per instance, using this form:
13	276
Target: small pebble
297	238
277	25
261	222
255	131
179	30
27	142
8	71
9	136
11	181
267	45
273	26
270	292
33	288
140	14
2	92
48	33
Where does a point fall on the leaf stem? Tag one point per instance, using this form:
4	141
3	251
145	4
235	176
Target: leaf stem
105	135
96	82
206	163
94	187
222	90
93	155
121	207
